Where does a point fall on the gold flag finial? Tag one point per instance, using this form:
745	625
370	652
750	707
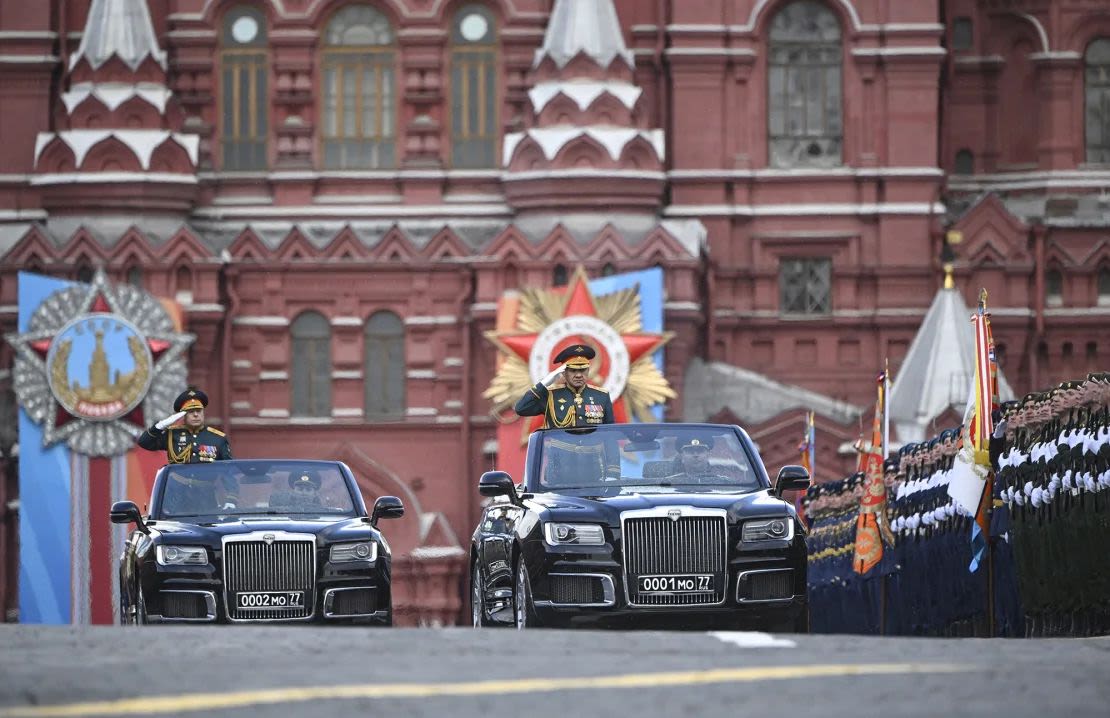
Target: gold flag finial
949	283
983	298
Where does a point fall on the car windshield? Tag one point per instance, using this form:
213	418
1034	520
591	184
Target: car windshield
663	457
240	488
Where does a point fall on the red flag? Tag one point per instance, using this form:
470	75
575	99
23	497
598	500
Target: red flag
871	526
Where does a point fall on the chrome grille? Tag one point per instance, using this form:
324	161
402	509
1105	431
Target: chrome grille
766	585
280	565
354	602
177	604
576	589
658	545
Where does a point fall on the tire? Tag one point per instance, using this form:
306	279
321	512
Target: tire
524	611
478	616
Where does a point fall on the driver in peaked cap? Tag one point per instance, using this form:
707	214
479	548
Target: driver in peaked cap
576	403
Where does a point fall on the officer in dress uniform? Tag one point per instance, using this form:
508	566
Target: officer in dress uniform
576	403
192	443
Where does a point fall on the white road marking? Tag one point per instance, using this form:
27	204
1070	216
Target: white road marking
752	639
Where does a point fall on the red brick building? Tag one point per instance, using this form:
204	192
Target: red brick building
338	192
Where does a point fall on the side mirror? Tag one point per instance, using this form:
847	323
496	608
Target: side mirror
496	483
386	507
126	512
791	478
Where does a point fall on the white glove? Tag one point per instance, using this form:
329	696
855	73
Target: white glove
550	378
228	505
170	420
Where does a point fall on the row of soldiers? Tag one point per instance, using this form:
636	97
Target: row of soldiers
1050	523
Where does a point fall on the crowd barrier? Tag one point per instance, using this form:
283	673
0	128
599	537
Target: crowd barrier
1042	574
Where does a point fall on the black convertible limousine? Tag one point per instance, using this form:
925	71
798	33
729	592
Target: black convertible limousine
692	533
250	541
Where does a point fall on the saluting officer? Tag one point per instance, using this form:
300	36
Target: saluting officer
192	443
576	403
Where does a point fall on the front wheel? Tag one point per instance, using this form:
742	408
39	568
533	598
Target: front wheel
523	609
478	616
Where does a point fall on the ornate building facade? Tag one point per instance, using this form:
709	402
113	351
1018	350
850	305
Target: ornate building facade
337	192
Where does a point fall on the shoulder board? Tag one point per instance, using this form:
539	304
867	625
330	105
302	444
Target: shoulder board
602	389
217	432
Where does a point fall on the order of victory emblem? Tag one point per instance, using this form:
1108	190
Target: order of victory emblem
549	321
96	361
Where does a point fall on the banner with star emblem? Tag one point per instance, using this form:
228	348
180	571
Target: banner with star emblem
93	363
620	316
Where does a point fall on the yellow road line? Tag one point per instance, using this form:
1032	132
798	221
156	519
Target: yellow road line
242	699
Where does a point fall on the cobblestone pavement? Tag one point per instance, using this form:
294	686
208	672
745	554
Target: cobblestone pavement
279	671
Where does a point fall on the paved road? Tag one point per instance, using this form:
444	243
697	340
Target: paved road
279	671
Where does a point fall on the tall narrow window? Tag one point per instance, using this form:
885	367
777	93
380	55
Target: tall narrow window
474	88
311	383
965	162
1054	287
135	276
1098	100
244	116
805	286
805	125
359	90
962	33
1104	287
559	276
384	371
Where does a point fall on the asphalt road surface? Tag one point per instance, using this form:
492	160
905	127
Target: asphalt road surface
459	672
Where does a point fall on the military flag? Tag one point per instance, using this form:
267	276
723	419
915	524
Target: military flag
970	485
871	524
808	449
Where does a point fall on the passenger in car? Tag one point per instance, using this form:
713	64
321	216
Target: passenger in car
692	463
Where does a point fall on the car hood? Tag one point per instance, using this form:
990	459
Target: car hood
325	529
564	507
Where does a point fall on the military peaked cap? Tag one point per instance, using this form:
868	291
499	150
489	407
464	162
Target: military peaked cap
191	398
576	356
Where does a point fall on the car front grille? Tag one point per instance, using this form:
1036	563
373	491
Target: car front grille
768	585
687	546
277	565
354	602
576	589
190	605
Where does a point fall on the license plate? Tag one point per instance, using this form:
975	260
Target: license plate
269	600
686	583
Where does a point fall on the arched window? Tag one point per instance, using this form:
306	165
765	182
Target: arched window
608	270
359	90
1054	287
474	88
805	116
1098	100
1104	286
559	275
384	367
84	272
135	276
311	383
244	96
965	162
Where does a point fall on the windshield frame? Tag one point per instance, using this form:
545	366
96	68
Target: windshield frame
536	446
247	467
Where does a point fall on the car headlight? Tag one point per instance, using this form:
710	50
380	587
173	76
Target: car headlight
362	551
574	534
777	529
181	555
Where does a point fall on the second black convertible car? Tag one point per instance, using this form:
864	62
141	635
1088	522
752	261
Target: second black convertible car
256	541
692	534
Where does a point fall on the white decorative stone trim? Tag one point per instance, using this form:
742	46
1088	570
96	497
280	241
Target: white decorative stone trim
241	405
421	411
241	364
114	94
357	211
575	173
141	142
802	173
613	139
583	93
431	319
28	59
113	178
421	374
273	376
453	361
452	419
926	51
348	412
837	313
346	321
346	374
9	309
483	307
682	306
273	413
203	307
452	404
804	209
1047	179
261	321
22	215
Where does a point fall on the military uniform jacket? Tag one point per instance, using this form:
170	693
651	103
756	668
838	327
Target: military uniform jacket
562	408
182	446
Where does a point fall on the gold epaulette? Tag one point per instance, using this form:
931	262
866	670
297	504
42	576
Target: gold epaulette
217	432
598	388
